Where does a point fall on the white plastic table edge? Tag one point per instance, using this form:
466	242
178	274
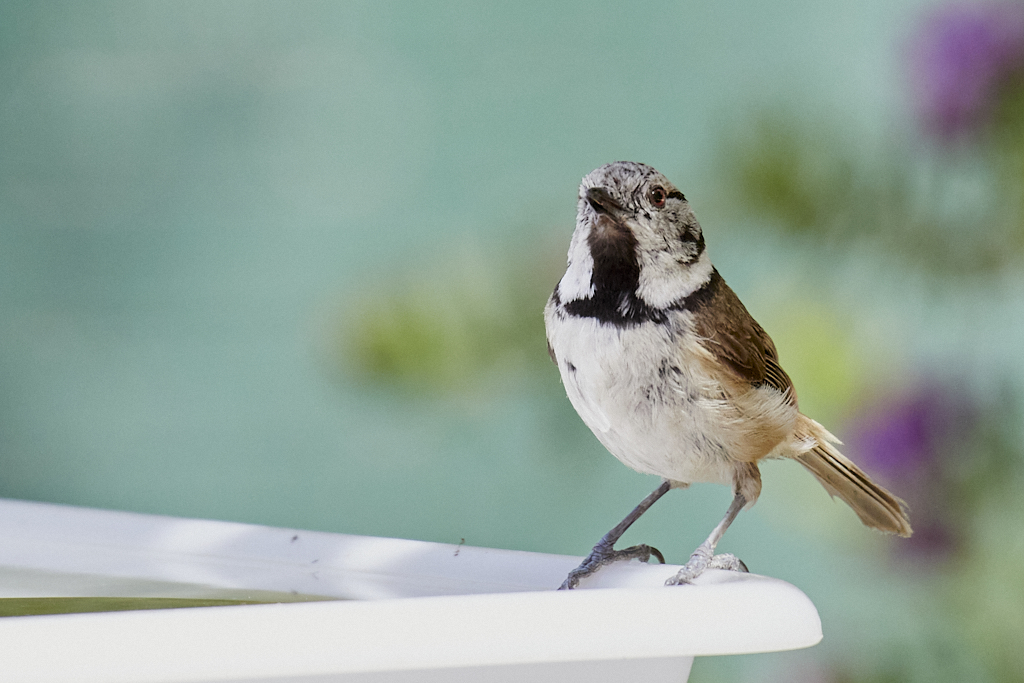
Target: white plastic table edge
413	605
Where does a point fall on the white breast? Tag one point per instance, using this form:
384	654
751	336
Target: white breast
647	399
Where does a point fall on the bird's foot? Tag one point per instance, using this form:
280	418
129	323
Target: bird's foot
704	558
602	555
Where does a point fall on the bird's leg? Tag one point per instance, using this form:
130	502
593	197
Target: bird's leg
603	553
704	556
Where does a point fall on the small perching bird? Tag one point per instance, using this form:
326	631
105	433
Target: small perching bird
671	373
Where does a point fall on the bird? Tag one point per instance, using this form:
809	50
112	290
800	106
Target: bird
672	374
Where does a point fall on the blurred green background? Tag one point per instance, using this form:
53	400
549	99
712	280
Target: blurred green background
284	263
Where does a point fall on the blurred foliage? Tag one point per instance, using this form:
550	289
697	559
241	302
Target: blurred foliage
954	212
799	179
980	497
950	201
816	346
471	317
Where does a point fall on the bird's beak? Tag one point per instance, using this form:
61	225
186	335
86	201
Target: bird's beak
603	204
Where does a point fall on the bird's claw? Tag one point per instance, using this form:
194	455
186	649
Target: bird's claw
702	559
604	555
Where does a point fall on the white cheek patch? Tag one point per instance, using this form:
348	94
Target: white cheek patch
576	283
663	281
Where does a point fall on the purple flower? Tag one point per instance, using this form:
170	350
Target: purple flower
906	435
910	442
962	58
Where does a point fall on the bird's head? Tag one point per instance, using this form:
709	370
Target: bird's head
635	233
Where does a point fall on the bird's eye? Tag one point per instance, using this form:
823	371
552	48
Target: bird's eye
657	197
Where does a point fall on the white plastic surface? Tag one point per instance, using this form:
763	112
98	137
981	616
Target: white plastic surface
409	610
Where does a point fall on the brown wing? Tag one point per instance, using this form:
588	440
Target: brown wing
737	342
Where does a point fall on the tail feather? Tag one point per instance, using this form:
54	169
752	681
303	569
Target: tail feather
875	506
